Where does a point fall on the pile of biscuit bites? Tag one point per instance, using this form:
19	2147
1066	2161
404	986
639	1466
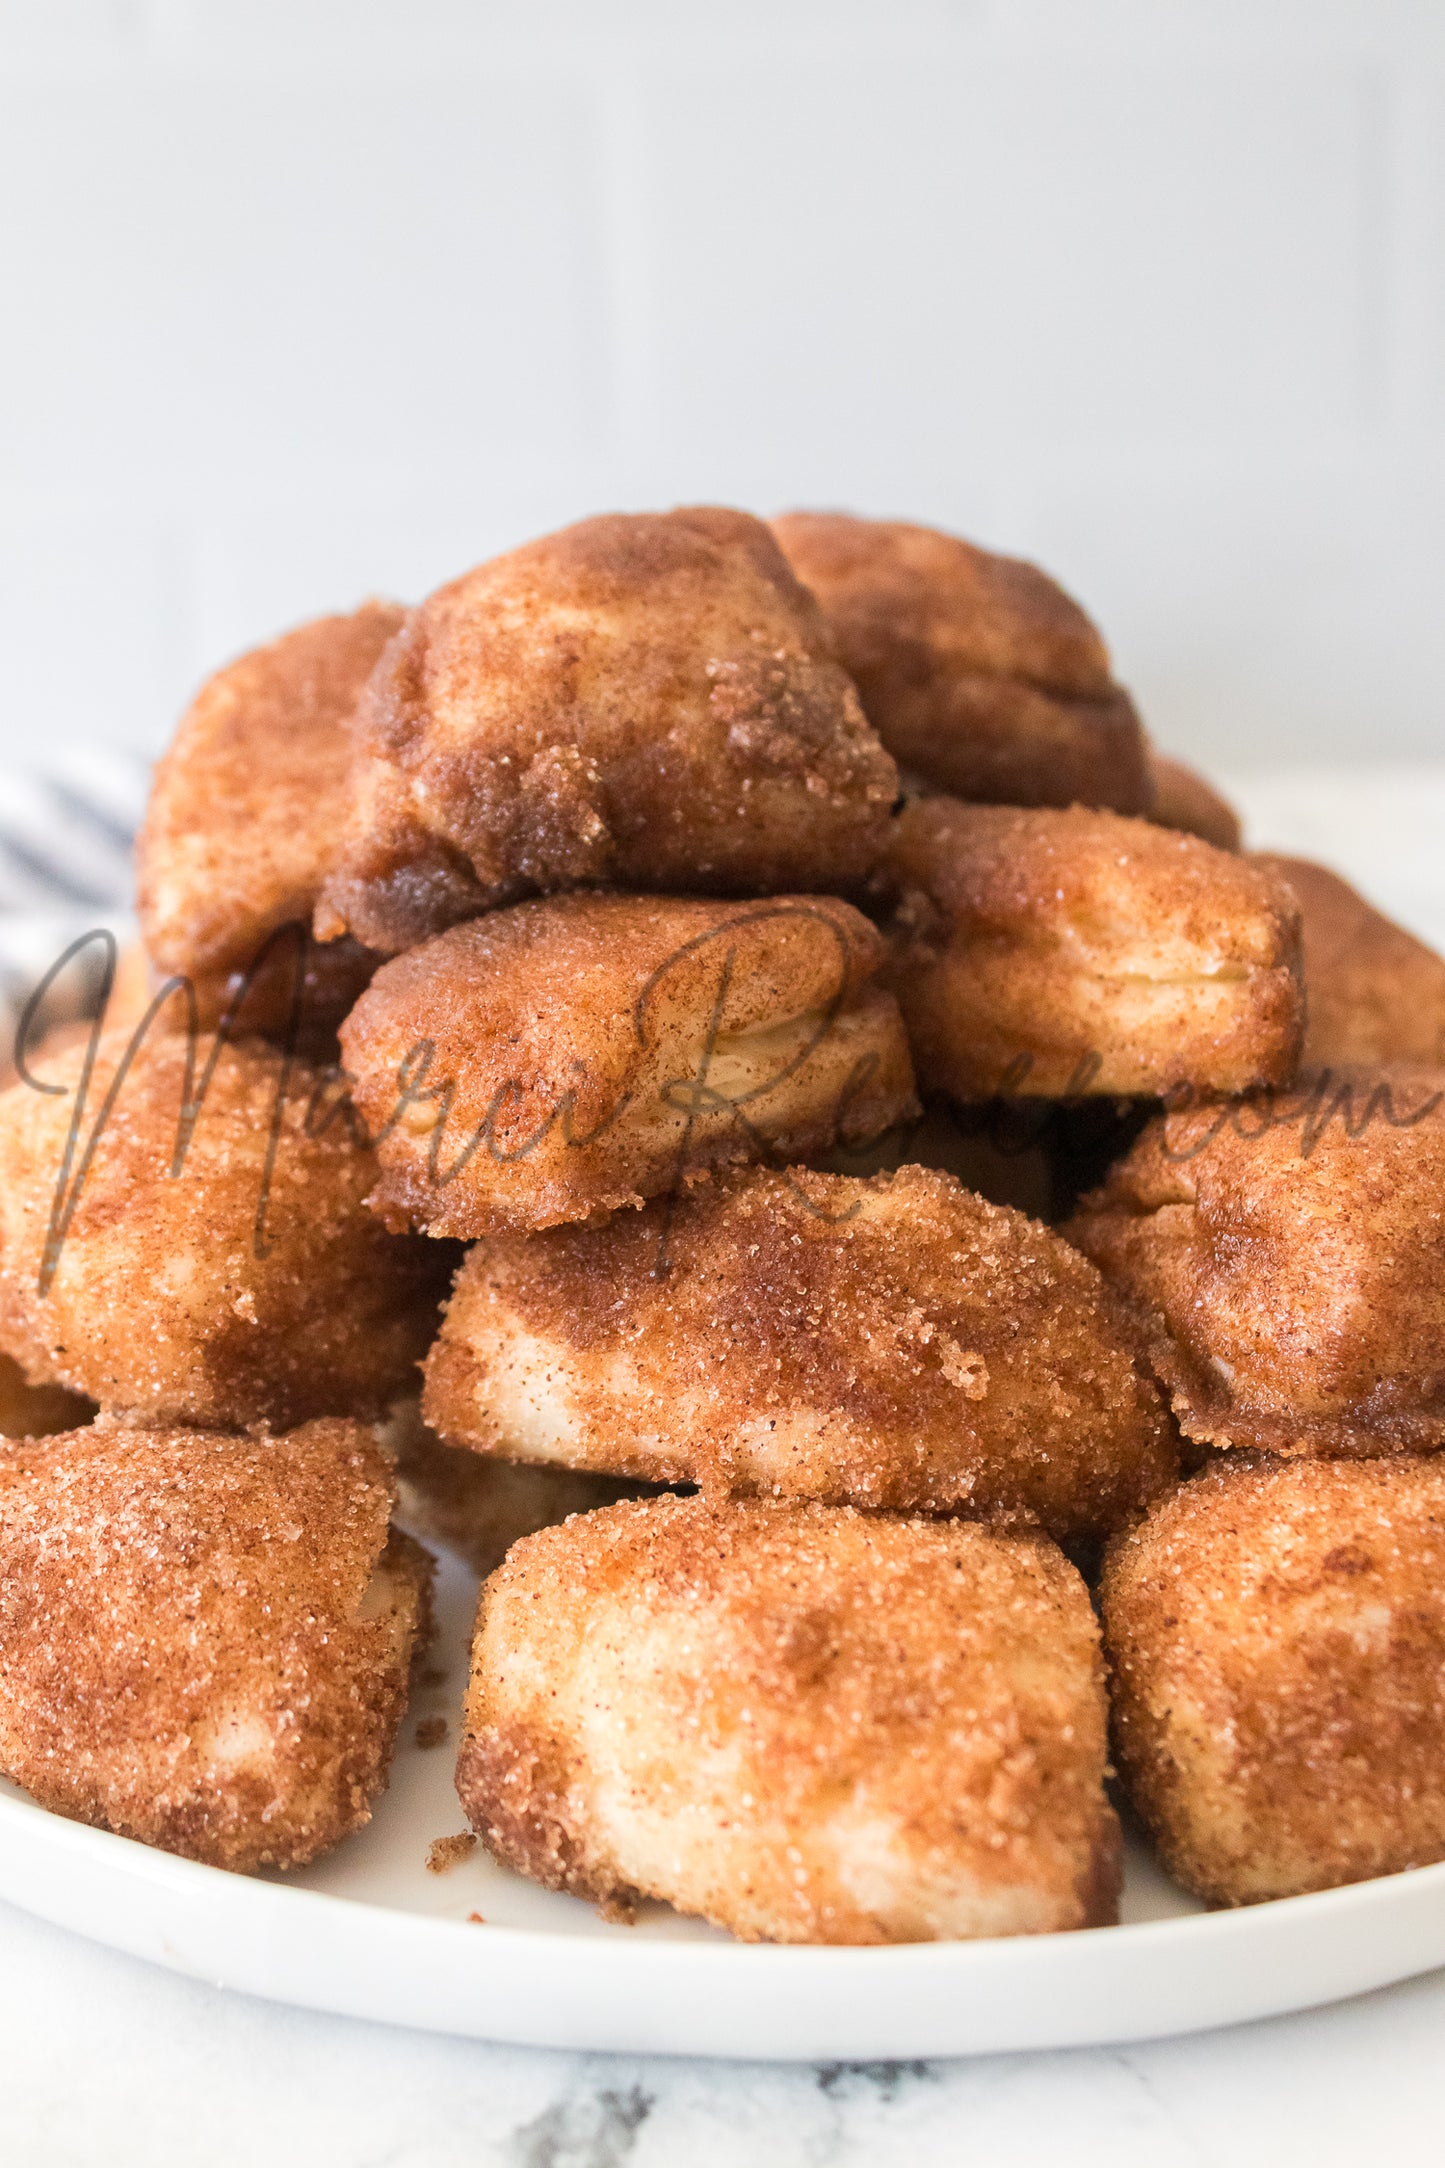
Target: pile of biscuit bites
896	1164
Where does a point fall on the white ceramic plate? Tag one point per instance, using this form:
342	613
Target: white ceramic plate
371	1933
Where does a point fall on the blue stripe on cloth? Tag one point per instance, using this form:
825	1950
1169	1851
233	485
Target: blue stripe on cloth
66	838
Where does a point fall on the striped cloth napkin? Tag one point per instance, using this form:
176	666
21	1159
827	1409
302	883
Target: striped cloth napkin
66	839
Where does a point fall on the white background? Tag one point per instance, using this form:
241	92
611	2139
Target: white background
308	298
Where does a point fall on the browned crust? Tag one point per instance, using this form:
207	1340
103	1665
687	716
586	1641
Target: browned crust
1276	1634
164	1299
640	701
204	1639
941	1680
249	804
513	1783
1184	799
1373	992
1074	953
895	1342
571	1056
980	675
1285	1261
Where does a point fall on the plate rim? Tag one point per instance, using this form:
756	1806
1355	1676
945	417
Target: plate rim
548	1988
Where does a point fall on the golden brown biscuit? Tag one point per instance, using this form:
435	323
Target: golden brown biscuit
1067	954
175	1296
131	988
978	672
895	1342
569	1056
246	814
35	1411
61	1014
478	1506
1286	1259
134	989
1277	1638
641	701
1373	993
1183	799
205	1639
805	1724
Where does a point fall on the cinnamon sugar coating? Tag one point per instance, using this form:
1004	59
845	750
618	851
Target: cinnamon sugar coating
640	701
1185	799
1276	1633
804	1724
131	988
568	1056
1373	993
205	1639
46	1034
246	814
476	1505
157	1300
978	672
1071	953
1286	1262
894	1342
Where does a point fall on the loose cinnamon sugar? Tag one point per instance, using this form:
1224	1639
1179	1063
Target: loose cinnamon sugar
448	1852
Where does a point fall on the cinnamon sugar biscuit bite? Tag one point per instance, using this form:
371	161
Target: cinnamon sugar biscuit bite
205	1639
572	1055
246	813
641	701
1183	799
1286	1261
804	1724
1071	953
1277	1639
1373	992
249	1285
894	1342
978	672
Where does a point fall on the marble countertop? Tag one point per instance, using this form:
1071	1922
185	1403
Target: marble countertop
104	2057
